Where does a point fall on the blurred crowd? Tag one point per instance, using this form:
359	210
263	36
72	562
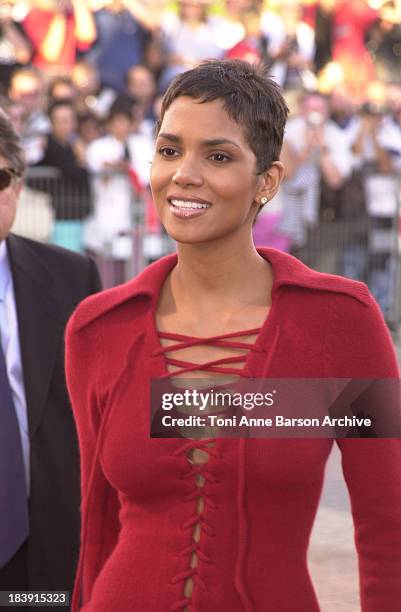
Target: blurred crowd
83	80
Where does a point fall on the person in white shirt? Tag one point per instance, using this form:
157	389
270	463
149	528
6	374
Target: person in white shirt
314	147
108	232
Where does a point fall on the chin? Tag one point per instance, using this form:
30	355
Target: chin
199	237
182	237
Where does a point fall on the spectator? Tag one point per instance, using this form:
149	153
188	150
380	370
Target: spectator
71	193
361	128
230	28
190	36
141	85
342	109
384	43
291	45
154	56
16	113
61	88
89	129
366	144
347	206
381	132
340	29
57	29
393	99
91	96
34	218
253	47
123	29
15	50
108	230
314	149
27	88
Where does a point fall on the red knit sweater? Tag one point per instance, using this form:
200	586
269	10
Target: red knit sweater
137	511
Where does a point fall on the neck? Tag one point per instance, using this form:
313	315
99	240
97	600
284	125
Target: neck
119	137
62	139
221	276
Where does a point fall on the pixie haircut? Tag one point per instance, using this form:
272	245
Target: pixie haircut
250	98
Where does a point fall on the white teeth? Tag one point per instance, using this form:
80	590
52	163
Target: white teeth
187	204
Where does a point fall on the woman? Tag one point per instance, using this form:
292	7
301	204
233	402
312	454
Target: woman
188	37
221	524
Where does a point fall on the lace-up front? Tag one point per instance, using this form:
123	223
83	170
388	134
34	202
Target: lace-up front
234	350
136	508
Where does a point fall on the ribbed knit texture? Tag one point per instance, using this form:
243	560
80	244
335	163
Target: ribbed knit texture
137	505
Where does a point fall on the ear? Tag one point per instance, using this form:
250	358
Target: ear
270	182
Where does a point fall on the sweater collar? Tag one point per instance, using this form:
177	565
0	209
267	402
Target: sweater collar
287	270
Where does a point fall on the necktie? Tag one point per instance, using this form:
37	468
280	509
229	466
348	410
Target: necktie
14	523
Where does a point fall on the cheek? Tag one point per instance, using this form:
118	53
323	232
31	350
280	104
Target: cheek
8	206
239	190
160	178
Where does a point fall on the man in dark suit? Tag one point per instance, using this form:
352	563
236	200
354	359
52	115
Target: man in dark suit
40	285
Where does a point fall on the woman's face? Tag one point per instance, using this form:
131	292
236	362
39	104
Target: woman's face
203	174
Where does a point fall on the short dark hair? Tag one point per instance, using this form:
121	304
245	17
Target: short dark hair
250	97
10	145
66	102
123	105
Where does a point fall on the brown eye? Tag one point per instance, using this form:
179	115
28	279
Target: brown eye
220	157
167	151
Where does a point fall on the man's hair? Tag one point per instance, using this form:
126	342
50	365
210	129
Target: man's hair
62	103
122	105
249	96
10	145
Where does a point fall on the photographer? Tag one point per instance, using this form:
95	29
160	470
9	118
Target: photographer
367	146
290	45
381	129
314	148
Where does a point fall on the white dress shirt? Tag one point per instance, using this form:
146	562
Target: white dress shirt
12	353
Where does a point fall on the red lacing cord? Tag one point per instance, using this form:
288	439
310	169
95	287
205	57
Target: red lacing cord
199	469
192	340
195	519
214	366
199	444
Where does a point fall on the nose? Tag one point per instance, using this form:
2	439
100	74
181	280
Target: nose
187	174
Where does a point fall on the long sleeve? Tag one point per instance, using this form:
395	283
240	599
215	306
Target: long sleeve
372	467
100	505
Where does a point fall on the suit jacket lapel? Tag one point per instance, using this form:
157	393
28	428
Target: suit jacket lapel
39	322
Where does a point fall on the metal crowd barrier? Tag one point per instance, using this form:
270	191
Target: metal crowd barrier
366	249
108	219
102	214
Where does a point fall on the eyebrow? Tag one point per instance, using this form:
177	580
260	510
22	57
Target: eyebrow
207	143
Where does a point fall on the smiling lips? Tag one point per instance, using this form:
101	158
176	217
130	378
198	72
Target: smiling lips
185	209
